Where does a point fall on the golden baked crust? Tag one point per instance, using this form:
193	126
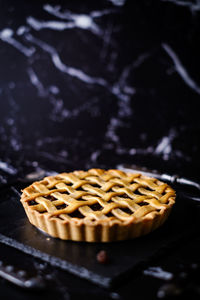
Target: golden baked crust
97	205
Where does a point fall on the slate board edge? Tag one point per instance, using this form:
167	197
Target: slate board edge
84	273
157	254
57	262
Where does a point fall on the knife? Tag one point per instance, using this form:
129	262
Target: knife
172	179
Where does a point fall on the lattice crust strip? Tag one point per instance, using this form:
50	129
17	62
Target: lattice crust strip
97	196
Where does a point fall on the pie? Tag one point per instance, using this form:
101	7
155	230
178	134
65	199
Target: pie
98	205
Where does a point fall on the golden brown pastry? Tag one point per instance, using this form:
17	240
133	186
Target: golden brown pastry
98	205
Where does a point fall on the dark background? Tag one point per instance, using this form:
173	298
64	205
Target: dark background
99	83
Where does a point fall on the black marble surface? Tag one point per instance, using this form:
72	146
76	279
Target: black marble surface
96	84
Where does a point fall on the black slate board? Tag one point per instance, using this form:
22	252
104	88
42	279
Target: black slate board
80	258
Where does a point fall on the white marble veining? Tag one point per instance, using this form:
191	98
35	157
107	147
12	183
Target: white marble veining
88	106
119	89
47	140
22	29
94	156
58	112
124	93
54	25
111	134
158	272
39	174
11	85
77	73
54	89
122	90
36	82
12	136
4	166
114	78
6	35
193	6
180	69
66	14
81	21
118	2
2	180
164	146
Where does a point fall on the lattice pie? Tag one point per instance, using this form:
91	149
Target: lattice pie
98	205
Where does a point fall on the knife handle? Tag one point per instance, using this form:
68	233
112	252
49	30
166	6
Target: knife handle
20	278
187	182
